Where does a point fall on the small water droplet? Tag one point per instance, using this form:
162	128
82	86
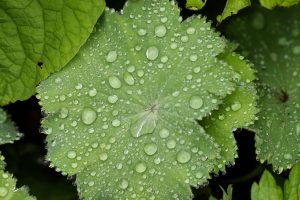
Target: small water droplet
191	30
128	78
88	116
63	113
171	144
196	102
236	106
142	32
103	156
140	167
93	92
112	56
123	184
183	156
288	156
150	149
71	154
116	123
152	53
114	82
193	58
164	133
160	31
112	99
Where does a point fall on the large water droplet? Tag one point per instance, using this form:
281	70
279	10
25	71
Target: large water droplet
183	156
236	106
123	184
196	102
160	31
128	78
150	149
142	32
71	154
111	56
93	92
152	53
88	116
143	123
140	167
164	133
171	144
114	82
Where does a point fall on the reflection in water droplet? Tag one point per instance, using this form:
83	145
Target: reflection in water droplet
236	106
63	113
196	102
183	156
152	53
88	116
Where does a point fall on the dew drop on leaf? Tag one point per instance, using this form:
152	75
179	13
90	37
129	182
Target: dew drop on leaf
111	56
183	156
152	53
164	133
123	184
160	31
196	102
114	82
71	154
88	116
140	167
150	149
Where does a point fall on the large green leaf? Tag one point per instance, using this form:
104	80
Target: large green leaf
38	37
121	115
271	40
8	190
233	7
272	3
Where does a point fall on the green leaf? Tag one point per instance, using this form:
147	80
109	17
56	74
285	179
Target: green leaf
272	3
8	132
232	7
40	32
121	115
8	190
195	4
237	111
274	49
292	186
267	188
226	195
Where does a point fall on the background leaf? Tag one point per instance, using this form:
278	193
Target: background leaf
39	37
274	49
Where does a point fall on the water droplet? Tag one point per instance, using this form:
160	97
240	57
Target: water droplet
78	86
258	22
171	144
103	156
123	184
114	82
183	156
3	191
184	38
112	56
236	106
152	53
164	133
128	78
93	92
63	113
88	116
196	102
160	31
193	58
150	149
191	30
142	32
116	123
140	167
112	98
71	154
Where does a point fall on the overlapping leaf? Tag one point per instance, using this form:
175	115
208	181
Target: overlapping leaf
39	37
8	190
271	40
122	114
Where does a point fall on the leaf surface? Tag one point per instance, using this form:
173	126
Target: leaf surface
274	49
38	37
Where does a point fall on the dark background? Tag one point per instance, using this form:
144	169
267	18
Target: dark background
25	158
